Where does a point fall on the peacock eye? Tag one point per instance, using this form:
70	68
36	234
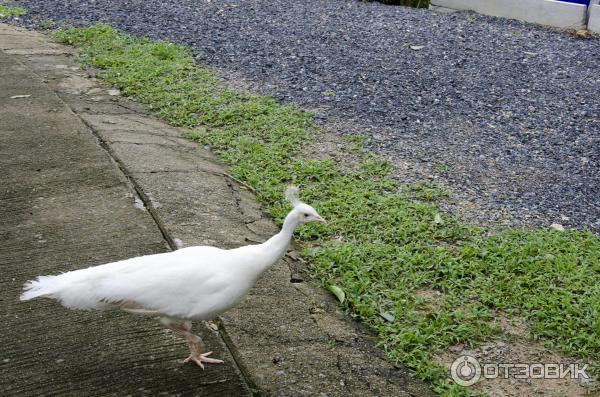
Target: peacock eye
306	215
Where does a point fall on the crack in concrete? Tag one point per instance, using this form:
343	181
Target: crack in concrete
137	132
234	194
134	184
292	272
171	147
171	171
237	358
140	143
238	203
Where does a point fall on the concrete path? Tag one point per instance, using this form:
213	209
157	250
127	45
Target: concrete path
87	178
66	205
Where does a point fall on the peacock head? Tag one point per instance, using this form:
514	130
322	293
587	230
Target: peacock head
304	212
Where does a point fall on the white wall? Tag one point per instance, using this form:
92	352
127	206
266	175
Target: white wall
545	12
594	14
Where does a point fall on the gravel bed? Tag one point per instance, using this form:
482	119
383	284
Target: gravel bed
505	113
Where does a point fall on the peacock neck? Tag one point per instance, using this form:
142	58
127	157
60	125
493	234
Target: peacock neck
289	225
276	246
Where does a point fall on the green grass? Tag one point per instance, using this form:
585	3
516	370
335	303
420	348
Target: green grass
384	241
8	12
47	24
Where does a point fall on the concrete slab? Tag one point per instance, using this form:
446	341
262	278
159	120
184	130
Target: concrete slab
23	42
197	207
594	18
65	205
178	158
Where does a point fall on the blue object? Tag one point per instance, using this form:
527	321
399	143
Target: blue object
585	2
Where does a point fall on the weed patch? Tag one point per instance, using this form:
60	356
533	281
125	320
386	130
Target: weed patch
9	12
384	242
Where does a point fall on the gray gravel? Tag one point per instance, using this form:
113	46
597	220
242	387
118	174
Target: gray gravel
506	113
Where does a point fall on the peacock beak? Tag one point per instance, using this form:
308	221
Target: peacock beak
320	219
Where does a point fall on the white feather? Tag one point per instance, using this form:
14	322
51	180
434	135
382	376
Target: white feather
292	194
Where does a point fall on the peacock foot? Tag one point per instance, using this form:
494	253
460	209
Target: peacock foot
197	351
202	358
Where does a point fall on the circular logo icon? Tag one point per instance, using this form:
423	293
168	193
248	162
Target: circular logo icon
465	370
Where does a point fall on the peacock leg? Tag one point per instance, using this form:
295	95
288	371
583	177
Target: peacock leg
195	343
